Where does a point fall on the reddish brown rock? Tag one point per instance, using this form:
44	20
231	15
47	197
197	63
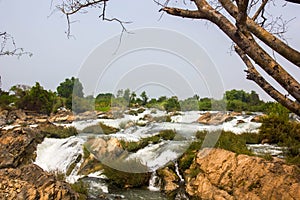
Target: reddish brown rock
226	175
31	182
216	118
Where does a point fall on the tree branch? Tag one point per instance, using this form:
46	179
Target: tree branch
8	46
193	14
253	74
252	49
273	42
260	9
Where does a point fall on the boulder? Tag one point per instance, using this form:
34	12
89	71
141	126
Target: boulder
17	146
216	118
169	180
31	182
223	174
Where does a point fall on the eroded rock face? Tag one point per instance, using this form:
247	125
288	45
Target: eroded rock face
31	182
17	146
19	178
224	175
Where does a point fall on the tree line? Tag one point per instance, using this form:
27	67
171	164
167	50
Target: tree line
69	94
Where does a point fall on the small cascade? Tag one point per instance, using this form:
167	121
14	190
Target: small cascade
178	173
154	182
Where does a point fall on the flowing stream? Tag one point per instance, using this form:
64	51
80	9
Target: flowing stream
57	155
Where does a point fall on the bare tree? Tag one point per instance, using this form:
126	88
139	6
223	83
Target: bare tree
8	46
246	32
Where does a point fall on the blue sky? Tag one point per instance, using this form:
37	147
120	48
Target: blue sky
56	57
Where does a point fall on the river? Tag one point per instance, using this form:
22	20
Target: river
56	155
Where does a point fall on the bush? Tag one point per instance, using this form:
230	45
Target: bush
135	146
100	128
81	188
124	178
53	131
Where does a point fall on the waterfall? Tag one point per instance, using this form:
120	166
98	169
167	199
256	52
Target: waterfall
154	182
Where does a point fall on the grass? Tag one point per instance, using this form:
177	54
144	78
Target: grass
100	128
127	178
227	140
53	131
135	146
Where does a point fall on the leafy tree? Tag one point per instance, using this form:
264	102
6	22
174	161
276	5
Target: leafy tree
126	95
133	97
37	99
190	104
205	104
172	104
144	98
70	87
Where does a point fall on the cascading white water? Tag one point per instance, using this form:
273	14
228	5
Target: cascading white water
154	182
178	173
56	155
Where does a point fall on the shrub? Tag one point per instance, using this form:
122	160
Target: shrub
100	128
81	188
53	131
124	178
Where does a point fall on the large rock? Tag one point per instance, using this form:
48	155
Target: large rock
30	182
221	174
216	118
18	146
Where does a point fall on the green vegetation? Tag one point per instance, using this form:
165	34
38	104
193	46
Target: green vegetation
278	129
53	131
70	95
81	188
100	128
135	146
227	140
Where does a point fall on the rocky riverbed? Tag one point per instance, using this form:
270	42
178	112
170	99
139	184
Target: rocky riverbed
105	163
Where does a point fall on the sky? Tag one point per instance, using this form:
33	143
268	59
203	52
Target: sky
56	57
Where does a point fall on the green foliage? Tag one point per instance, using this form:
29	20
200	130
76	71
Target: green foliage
125	179
277	129
144	98
53	131
189	104
6	99
239	100
36	99
135	146
100	128
205	104
70	87
227	140
172	104
80	104
103	102
81	188
72	166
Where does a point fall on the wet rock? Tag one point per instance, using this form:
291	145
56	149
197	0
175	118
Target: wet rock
31	182
169	180
225	175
